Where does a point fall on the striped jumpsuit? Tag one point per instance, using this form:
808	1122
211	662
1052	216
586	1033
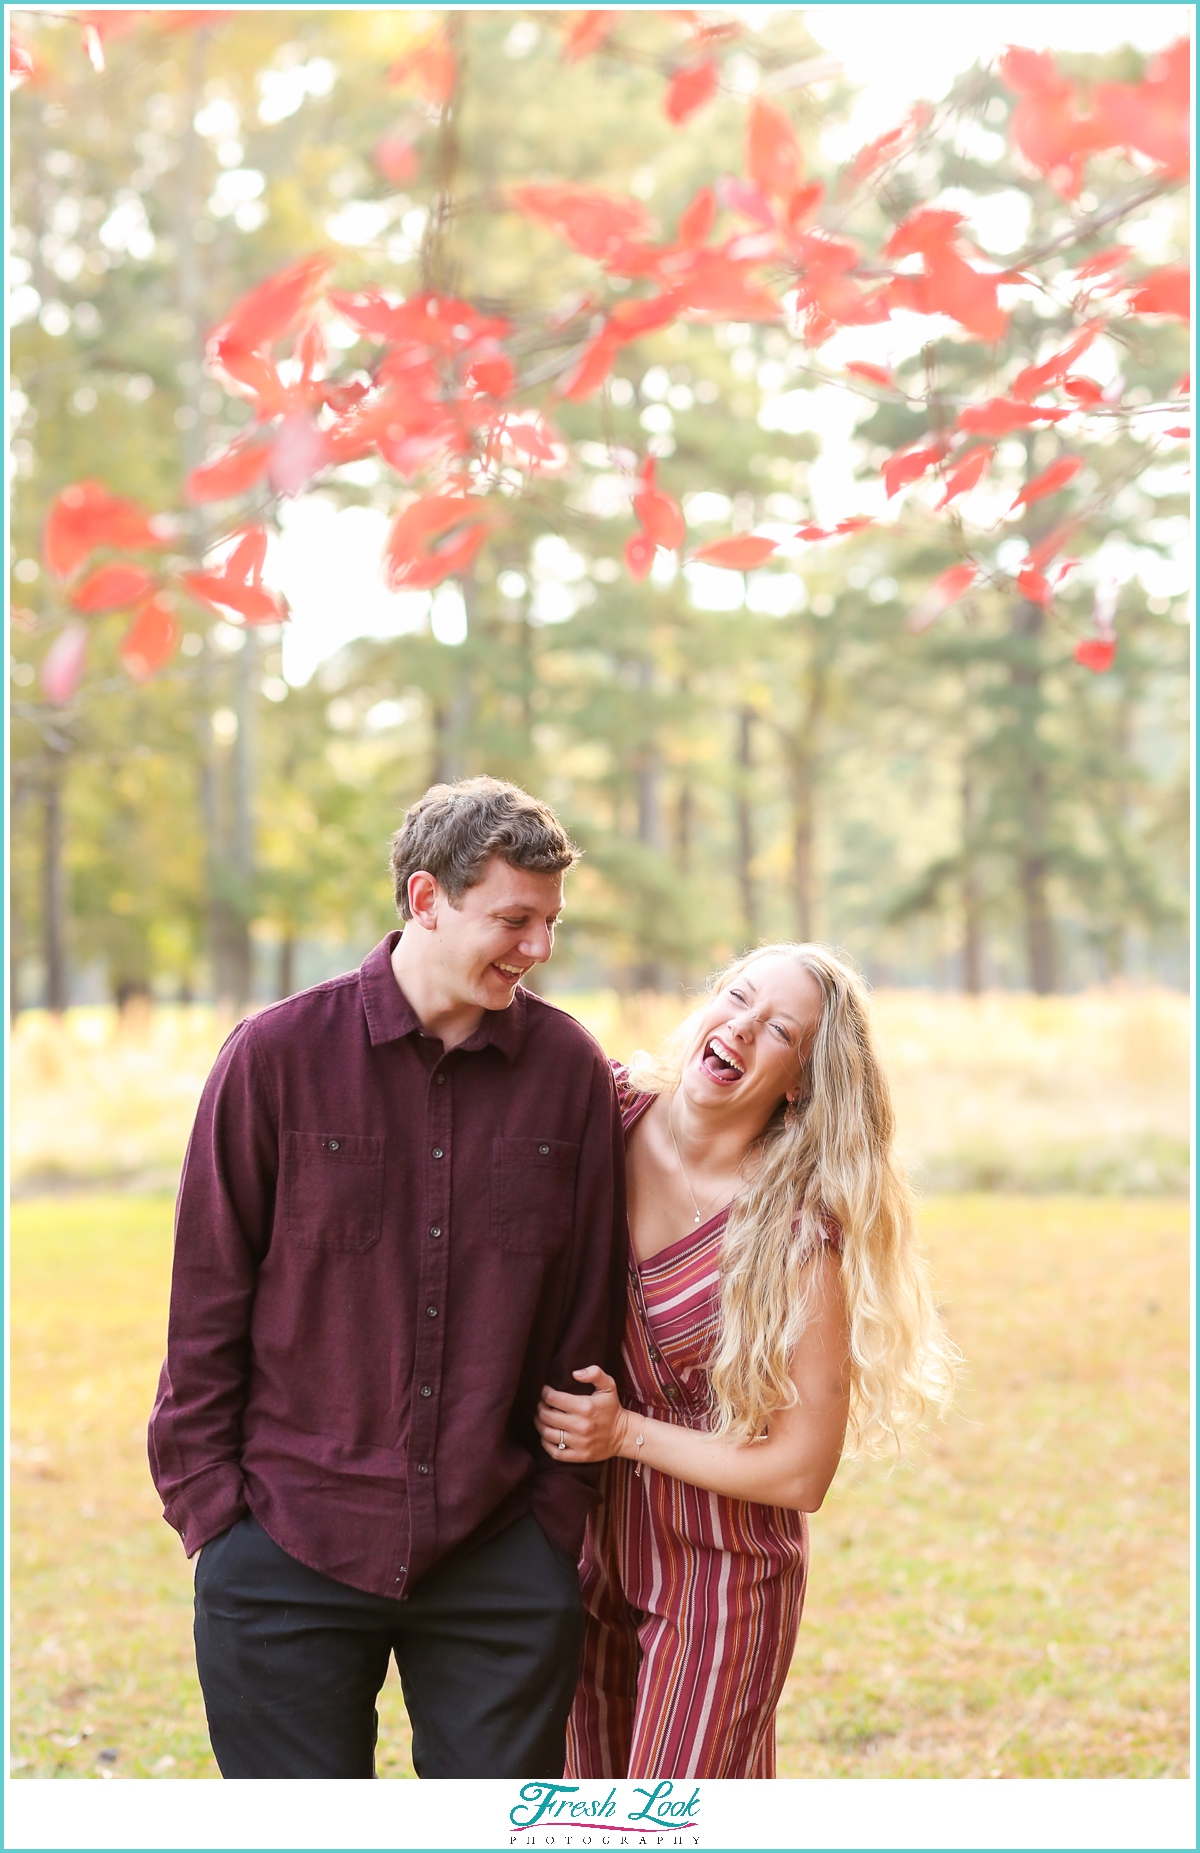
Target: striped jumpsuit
692	1599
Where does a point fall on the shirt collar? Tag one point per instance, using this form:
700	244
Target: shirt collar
390	1015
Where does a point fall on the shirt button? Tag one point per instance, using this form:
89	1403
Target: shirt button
436	1229
333	1145
437	1151
426	1389
544	1150
422	1468
441	1080
432	1311
672	1393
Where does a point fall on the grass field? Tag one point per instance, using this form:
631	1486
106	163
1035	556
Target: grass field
1003	1092
1014	1604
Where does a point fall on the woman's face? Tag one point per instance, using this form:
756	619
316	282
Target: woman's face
754	1037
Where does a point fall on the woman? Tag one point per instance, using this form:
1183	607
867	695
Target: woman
775	1297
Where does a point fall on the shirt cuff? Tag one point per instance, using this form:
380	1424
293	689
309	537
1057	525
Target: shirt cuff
561	1500
212	1502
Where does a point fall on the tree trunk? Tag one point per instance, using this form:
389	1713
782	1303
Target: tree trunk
972	953
53	896
285	983
745	826
1033	862
684	824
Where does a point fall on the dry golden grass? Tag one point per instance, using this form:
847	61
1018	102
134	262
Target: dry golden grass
1001	1092
1016	1602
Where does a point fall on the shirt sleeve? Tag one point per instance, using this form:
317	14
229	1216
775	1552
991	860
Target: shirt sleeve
593	1318
223	1222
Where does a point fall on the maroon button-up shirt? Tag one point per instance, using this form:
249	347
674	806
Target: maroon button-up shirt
382	1251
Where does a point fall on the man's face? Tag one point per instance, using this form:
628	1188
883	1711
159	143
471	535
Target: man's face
497	930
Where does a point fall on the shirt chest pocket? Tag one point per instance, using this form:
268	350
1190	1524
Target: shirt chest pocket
331	1190
533	1194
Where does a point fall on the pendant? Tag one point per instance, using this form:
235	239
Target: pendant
697	1216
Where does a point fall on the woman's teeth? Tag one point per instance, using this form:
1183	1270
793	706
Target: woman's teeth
727	1061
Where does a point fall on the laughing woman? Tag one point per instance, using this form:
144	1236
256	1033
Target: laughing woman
776	1300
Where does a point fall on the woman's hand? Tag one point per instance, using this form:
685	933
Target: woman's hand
594	1427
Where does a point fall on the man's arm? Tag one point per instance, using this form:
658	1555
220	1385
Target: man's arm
594	1304
222	1230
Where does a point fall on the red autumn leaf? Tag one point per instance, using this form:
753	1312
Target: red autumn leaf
905	466
717	286
310	352
1151	117
593	366
964	474
111	587
660	516
950	284
946	589
1103	263
866	370
1085	392
690	89
267	312
152	638
697	218
875	153
248	557
230	474
395	158
803	204
742	552
434	537
639	555
631	319
587	33
298	452
537	442
592	222
854	524
1096	653
1043	551
253	373
493	374
1033	380
995	418
1034	585
1051	480
773	159
1045	125
748	202
63	664
253	603
431	69
22	65
1164	292
1178	431
85	515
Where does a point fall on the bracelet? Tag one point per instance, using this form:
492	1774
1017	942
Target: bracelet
639	1444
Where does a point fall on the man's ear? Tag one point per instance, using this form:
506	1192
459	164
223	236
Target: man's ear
424	894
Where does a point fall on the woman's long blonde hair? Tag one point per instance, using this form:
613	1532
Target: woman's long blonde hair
827	1159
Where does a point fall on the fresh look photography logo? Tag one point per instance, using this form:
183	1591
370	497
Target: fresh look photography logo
596	1814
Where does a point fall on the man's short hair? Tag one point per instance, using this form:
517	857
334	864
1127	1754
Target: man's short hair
454	830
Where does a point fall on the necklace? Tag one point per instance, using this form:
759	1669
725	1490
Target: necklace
679	1161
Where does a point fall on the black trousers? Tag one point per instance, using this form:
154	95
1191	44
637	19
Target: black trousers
291	1662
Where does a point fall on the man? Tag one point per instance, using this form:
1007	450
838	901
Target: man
401	1212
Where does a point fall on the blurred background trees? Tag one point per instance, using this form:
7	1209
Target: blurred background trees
742	754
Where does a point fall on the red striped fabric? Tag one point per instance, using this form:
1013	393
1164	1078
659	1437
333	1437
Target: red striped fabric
692	1599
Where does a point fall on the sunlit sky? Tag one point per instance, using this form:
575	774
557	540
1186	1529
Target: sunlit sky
327	560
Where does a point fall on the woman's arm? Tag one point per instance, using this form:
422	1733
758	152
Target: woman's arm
792	1467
